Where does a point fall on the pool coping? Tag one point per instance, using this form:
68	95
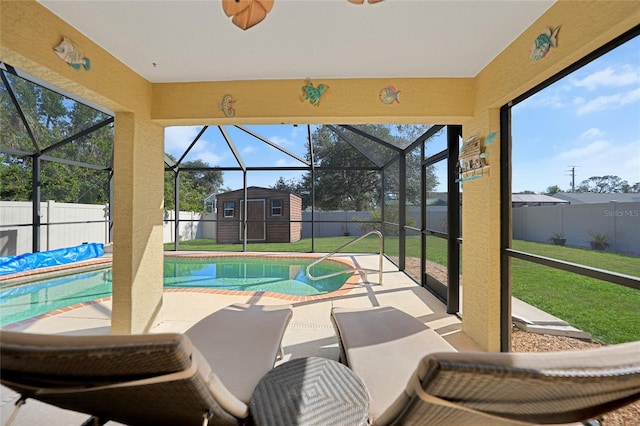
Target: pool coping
349	284
52	271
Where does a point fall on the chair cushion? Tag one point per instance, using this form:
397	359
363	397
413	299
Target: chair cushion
241	343
158	379
535	387
384	346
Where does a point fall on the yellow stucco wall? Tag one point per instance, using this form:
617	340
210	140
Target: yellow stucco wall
142	108
584	26
138	214
28	34
481	241
353	101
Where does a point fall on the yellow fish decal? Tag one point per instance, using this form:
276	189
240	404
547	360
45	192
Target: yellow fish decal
389	95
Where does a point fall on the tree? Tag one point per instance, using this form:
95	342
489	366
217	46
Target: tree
291	185
195	185
604	184
52	118
352	189
552	190
14	173
635	188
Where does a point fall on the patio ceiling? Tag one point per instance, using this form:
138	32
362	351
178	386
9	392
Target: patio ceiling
180	41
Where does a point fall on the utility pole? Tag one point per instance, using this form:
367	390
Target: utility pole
572	173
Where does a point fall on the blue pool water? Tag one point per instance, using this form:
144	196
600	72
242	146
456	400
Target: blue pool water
278	275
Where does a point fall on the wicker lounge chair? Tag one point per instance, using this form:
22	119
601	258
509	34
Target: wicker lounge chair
160	379
445	387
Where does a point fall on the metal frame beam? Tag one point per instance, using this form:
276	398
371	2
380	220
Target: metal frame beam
371	137
78	135
12	95
454	133
186	151
276	146
353	145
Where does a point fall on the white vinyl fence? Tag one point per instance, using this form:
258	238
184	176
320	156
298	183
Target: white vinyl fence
191	227
15	230
620	221
16	239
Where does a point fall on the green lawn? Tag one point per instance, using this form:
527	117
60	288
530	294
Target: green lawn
610	312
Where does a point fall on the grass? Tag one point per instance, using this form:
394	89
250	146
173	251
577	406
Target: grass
608	311
436	247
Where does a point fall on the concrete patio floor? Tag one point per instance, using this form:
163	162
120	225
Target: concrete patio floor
310	332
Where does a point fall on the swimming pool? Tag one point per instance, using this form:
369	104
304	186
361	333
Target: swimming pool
282	275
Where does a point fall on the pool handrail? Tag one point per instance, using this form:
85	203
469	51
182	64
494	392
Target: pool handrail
355	240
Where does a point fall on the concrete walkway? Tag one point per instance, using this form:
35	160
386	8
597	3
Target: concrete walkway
534	320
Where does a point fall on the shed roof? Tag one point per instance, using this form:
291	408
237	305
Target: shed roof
257	188
536	199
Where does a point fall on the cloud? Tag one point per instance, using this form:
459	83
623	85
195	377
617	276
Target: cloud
210	158
280	141
587	151
592	133
248	149
601	103
601	158
610	77
552	97
177	139
284	162
629	167
295	130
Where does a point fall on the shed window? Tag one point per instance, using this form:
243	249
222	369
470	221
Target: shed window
228	209
276	207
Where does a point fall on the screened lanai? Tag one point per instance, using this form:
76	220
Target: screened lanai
69	161
149	79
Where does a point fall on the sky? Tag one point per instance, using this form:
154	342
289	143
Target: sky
588	124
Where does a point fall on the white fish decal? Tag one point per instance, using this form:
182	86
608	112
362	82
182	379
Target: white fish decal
71	54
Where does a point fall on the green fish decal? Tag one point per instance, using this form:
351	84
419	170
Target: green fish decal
389	95
543	43
311	93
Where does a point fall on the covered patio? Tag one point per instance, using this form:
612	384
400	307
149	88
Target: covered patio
150	78
310	332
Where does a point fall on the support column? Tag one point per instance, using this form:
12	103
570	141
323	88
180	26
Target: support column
35	204
137	228
481	257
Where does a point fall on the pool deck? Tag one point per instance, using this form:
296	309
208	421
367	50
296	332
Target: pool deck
310	332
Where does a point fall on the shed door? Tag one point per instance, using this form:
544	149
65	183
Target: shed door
255	220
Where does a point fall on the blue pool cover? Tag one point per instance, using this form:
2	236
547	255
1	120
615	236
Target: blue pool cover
62	256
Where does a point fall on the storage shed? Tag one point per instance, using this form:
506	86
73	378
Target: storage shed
272	216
